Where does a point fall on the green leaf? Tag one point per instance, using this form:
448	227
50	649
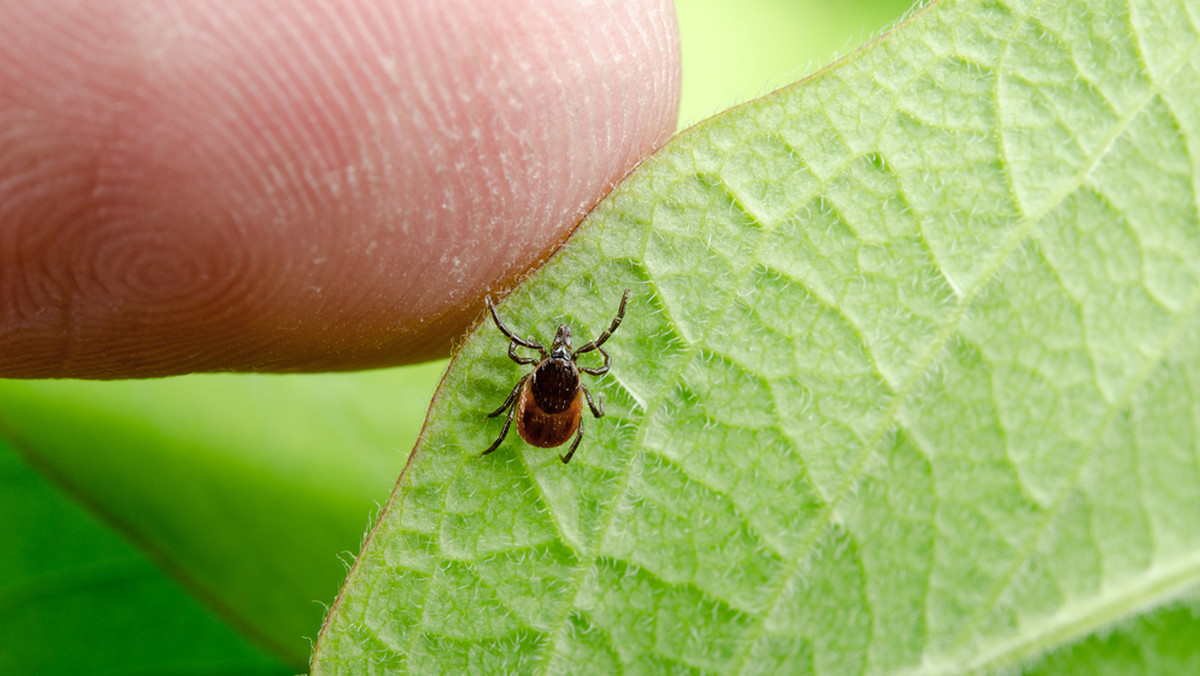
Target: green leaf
76	599
910	382
244	488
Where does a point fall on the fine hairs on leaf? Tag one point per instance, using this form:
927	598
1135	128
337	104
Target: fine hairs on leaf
907	384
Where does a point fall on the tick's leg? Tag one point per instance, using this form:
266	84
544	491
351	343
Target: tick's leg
574	445
524	361
511	396
597	410
503	432
511	405
595	344
603	369
513	337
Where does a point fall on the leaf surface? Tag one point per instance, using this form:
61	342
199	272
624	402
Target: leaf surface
245	488
76	599
908	383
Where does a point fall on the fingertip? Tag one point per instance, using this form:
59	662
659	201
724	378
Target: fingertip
308	186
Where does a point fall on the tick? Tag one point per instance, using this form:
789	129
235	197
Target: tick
548	401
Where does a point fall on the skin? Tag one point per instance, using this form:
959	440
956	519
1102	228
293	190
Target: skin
302	186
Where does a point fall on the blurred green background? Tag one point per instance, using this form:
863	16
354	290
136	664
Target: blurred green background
734	52
152	526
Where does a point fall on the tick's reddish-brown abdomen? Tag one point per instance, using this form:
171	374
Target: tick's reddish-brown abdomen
542	429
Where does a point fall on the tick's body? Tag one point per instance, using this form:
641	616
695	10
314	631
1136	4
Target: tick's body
549	420
548	402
